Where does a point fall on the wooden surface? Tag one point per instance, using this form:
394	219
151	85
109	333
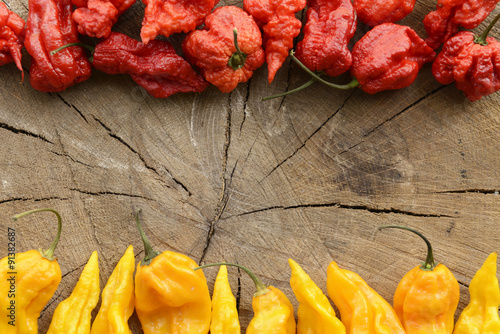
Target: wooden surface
228	177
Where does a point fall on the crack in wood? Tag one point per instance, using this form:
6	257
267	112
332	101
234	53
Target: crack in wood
101	193
66	155
48	305
41	199
245	101
24	132
71	106
467	191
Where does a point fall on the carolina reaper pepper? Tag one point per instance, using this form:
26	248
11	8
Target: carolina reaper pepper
374	12
11	37
117	298
273	311
166	17
277	20
480	316
315	314
170	297
73	315
443	23
329	27
27	282
427	296
95	18
224	313
472	62
362	309
50	26
228	49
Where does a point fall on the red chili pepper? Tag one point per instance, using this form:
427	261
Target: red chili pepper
154	66
374	12
443	23
166	17
277	19
11	37
225	57
96	17
50	26
329	27
472	62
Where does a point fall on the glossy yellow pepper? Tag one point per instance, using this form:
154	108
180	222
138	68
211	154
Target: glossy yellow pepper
224	312
481	315
362	309
273	311
27	282
170	297
315	314
427	296
73	315
117	298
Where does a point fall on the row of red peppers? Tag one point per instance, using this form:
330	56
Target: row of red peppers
230	46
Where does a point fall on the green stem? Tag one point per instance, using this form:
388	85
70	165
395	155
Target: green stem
259	286
238	58
353	84
83	45
307	84
429	263
148	249
482	38
49	253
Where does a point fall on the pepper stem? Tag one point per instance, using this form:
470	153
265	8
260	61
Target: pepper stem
49	253
429	263
148	249
307	84
259	286
238	58
83	45
482	38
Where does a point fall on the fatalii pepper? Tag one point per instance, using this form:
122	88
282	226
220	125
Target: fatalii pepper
117	298
427	296
50	26
329	27
480	316
228	49
11	37
374	12
472	62
166	17
170	297
95	18
280	26
224	313
362	309
273	311
315	314
73	315
443	23
27	282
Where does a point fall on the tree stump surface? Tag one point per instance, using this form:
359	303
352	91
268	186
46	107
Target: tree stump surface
228	177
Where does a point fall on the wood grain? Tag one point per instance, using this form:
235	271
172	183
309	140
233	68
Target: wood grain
229	177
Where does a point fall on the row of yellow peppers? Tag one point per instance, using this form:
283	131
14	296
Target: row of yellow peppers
171	296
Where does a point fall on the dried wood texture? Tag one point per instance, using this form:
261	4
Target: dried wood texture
228	177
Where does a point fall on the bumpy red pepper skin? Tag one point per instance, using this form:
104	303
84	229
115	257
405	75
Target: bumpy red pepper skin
474	68
277	19
211	48
95	18
49	26
154	66
389	56
444	22
329	27
374	12
166	17
11	37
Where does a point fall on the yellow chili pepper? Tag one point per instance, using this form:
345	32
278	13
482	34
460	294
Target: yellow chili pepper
27	282
362	309
315	314
427	296
273	311
481	315
224	312
73	315
117	298
170	297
